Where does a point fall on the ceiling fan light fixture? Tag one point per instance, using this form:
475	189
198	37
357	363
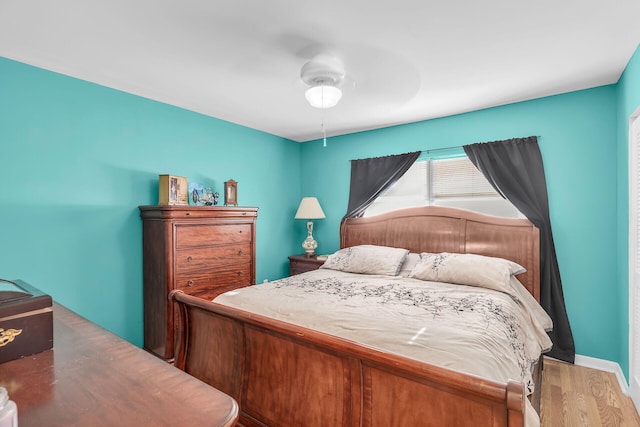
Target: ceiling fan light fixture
323	96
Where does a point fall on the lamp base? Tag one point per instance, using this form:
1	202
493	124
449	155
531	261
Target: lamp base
309	245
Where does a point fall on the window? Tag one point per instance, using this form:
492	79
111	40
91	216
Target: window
453	182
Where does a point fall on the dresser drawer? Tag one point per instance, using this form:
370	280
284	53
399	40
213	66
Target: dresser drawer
209	293
232	276
297	269
193	260
194	235
301	264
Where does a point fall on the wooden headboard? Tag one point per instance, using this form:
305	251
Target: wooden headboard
438	229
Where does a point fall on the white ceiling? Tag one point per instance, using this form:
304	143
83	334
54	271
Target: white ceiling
405	61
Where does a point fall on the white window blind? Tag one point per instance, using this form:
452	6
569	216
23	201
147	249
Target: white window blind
459	178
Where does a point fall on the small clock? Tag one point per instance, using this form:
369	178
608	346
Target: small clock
230	193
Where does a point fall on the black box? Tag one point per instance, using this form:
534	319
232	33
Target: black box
26	320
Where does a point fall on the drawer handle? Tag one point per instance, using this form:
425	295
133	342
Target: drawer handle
188	213
190	283
240	252
189	258
240	273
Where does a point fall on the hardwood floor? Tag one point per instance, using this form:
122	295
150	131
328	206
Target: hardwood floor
583	397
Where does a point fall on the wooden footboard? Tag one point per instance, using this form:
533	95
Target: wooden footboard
285	375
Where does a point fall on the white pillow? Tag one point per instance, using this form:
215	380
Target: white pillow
367	259
409	263
467	269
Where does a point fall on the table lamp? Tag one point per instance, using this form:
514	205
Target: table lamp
309	209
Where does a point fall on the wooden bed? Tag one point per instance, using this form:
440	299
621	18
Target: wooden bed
328	381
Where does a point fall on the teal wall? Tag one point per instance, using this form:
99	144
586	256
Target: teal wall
628	102
577	138
77	159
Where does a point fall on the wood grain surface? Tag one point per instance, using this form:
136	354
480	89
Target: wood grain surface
583	397
94	378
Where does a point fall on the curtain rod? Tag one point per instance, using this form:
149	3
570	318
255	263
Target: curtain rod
458	147
442	149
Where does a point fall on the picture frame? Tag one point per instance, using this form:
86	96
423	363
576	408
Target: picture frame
230	193
173	190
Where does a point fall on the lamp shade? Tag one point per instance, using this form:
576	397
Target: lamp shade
309	209
323	96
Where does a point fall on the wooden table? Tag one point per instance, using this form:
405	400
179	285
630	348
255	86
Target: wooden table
94	378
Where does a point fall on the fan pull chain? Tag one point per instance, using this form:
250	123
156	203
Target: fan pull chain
324	134
323	130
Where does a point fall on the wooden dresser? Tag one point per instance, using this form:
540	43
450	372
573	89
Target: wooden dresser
202	250
94	378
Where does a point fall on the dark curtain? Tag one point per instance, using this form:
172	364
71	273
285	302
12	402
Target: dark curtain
370	177
514	168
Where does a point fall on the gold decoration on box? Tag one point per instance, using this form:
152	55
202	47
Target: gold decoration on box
9	335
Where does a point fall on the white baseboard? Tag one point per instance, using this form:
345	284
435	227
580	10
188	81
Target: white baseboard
634	392
604	365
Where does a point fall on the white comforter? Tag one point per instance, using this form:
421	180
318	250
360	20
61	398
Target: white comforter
470	329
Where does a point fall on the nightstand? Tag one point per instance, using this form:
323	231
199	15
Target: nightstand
301	263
